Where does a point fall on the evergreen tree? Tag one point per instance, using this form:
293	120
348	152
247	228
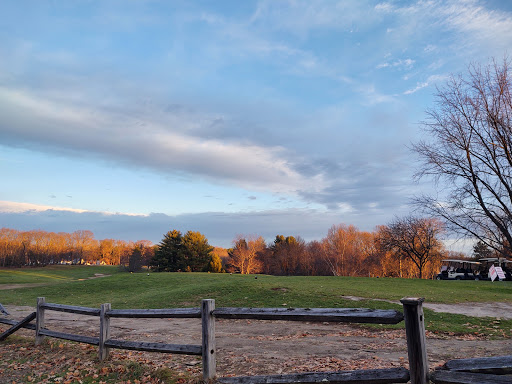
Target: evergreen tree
189	253
169	256
481	250
196	250
135	261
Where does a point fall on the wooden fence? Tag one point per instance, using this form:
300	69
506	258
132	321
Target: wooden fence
480	370
413	313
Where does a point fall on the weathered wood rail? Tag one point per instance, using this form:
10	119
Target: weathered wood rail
338	315
413	314
17	325
472	371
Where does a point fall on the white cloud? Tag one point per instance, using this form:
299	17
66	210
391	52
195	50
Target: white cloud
431	79
17	207
400	64
474	25
220	228
468	16
384	7
165	143
416	89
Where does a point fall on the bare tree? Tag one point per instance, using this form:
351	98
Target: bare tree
469	155
340	247
413	238
245	254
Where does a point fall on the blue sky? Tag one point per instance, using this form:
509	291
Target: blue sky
132	118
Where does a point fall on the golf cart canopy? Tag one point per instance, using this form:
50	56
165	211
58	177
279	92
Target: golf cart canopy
461	261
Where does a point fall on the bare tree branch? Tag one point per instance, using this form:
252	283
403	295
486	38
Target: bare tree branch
470	155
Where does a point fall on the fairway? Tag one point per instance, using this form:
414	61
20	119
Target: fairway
92	285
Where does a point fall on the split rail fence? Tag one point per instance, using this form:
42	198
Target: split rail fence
414	325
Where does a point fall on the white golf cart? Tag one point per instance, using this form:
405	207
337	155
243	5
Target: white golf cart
453	269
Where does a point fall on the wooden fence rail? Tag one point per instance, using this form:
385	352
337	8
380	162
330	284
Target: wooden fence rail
413	313
338	315
481	370
14	322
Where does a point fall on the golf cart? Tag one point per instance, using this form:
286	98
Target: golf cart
486	263
458	270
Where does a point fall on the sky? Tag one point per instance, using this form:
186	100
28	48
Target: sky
133	118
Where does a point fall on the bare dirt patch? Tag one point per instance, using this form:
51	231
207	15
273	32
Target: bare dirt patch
15	286
265	347
96	276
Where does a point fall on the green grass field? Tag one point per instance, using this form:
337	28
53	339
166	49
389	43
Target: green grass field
70	285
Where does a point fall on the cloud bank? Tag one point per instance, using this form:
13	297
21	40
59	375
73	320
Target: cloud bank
220	228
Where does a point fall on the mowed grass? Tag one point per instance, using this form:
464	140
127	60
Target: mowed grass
70	285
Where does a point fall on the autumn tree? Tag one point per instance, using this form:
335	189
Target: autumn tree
83	244
315	254
122	251
38	247
245	256
415	239
469	155
11	248
339	248
107	247
303	263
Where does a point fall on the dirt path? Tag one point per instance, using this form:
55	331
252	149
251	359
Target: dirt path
264	347
501	310
27	285
498	310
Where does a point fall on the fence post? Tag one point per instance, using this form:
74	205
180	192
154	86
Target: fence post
416	345
39	319
208	336
104	331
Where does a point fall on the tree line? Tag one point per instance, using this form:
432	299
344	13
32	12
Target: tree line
39	248
345	251
408	247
